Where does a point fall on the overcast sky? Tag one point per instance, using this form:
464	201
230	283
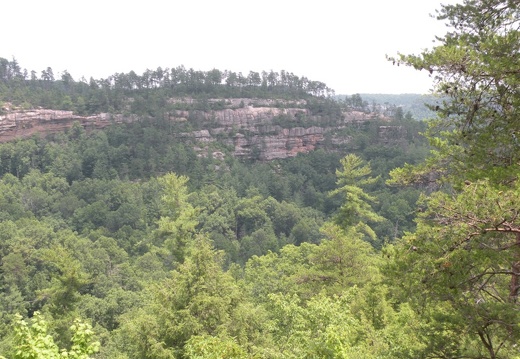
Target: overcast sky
342	42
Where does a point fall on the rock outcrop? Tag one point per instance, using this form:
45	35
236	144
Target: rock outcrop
253	133
261	129
23	124
284	143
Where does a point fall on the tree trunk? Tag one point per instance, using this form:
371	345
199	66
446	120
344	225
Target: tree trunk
514	286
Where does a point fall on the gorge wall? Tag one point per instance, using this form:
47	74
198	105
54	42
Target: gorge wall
260	129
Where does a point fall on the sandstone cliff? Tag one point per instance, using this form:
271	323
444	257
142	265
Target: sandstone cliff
23	124
262	129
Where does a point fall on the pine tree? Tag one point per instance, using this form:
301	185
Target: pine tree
462	266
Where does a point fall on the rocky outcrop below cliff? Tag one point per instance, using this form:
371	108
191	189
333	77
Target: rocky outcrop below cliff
260	129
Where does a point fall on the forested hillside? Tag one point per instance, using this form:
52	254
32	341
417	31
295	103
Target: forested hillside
190	214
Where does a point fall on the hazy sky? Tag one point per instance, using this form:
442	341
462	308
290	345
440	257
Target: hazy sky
342	42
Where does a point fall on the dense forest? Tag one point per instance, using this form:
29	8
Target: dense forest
132	241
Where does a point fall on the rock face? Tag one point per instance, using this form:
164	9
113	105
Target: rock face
23	124
262	129
284	143
253	131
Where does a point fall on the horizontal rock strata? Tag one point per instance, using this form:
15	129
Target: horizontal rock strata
259	129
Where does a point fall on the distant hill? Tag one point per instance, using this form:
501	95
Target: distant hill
415	103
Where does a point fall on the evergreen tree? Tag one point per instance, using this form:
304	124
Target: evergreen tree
462	266
356	210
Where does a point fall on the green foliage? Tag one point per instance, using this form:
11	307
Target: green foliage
279	272
356	210
343	260
197	300
178	218
474	69
200	347
31	341
332	327
462	263
463	255
340	261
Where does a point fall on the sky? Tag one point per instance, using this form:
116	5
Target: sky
342	43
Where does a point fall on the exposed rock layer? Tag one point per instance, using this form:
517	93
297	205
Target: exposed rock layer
257	129
23	124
